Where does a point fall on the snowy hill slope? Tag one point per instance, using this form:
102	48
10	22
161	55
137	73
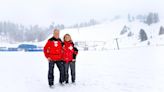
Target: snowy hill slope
104	35
108	31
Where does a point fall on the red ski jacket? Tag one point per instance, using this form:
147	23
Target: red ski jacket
68	51
53	49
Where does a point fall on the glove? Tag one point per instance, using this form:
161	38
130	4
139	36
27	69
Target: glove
74	60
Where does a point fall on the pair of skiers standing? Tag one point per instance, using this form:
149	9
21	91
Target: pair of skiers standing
63	54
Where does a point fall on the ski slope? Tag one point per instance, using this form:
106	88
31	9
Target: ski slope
106	33
126	70
110	30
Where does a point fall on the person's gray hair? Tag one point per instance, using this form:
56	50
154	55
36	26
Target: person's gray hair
56	29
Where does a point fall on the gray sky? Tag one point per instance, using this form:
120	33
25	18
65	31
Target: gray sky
44	12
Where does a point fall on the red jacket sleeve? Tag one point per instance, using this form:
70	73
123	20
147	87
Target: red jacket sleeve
46	49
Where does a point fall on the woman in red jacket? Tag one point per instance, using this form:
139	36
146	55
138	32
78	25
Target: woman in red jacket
69	56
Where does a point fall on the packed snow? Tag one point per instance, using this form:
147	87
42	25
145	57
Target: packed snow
127	70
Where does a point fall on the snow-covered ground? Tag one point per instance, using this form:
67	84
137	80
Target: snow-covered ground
126	70
136	67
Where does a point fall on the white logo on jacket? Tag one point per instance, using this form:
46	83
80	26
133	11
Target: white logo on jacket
55	43
70	47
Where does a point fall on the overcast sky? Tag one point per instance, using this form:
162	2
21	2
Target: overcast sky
44	12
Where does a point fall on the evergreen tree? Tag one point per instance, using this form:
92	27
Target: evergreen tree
161	31
124	30
142	35
152	18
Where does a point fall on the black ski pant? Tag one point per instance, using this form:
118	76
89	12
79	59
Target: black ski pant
60	65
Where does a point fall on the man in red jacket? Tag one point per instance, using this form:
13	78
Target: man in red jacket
53	52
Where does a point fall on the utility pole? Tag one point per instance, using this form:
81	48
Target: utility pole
117	43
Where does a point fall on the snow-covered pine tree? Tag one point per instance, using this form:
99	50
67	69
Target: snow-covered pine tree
142	35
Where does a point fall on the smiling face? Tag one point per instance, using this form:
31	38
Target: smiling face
67	37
